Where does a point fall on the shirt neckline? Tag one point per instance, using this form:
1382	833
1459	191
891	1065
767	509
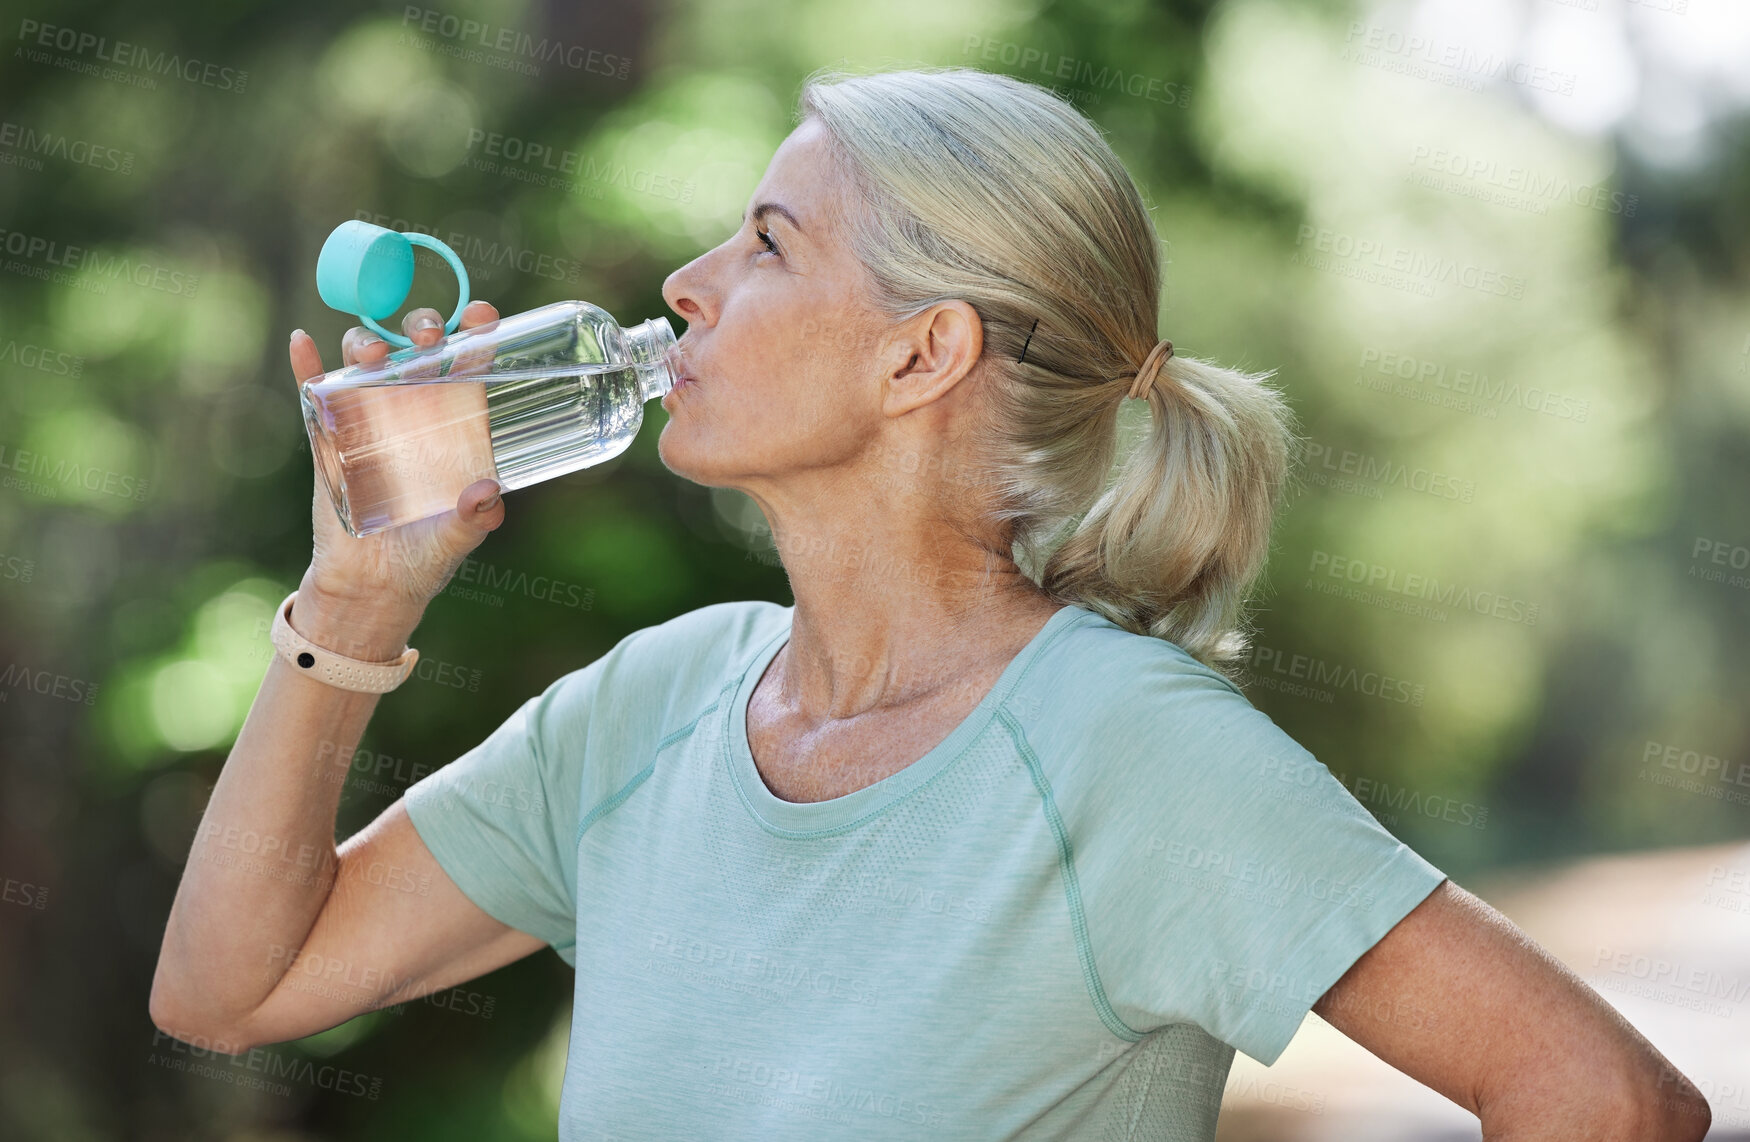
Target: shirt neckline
791	817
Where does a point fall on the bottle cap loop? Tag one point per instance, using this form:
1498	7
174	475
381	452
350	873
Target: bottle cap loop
367	271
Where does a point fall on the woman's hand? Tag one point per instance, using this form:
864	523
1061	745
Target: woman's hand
403	568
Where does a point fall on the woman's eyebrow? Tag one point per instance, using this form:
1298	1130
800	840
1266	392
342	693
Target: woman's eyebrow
765	208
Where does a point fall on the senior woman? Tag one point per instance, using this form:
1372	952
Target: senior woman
976	839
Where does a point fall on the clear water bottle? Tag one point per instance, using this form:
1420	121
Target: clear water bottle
521	399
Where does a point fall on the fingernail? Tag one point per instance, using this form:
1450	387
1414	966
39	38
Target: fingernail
487	504
425	323
295	333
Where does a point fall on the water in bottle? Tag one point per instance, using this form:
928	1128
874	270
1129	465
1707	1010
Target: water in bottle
521	399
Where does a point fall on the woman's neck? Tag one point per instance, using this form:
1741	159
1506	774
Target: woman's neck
865	637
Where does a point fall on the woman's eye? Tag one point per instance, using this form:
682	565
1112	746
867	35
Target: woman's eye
766	238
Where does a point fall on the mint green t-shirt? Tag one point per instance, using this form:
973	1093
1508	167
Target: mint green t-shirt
1059	923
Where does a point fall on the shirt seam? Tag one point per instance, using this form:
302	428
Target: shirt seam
614	800
1071	885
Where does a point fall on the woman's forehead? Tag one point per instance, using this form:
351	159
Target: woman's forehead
801	177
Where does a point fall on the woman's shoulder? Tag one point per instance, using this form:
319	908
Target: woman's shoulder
1111	704
1102	670
717	633
680	663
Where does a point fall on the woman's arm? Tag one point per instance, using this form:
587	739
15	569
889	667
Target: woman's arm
266	897
1458	998
276	934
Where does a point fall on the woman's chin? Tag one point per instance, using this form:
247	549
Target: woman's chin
677	454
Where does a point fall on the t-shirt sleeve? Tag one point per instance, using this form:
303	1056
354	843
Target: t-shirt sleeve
1232	878
500	818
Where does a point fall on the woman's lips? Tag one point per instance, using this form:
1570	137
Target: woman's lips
678	365
681	381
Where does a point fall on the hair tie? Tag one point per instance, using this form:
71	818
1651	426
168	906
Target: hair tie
1145	376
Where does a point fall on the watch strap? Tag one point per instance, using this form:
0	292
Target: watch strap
337	669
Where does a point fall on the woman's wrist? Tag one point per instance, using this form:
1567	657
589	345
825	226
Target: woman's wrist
370	630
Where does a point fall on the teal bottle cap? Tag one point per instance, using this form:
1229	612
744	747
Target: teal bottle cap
367	271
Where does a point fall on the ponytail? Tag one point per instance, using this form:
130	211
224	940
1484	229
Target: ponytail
1173	547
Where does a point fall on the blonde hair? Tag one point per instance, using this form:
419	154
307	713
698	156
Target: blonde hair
994	191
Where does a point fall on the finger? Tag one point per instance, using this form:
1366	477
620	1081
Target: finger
306	358
480	508
360	345
423	327
484	491
478	313
473	359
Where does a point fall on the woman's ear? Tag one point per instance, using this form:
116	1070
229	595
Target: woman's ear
937	349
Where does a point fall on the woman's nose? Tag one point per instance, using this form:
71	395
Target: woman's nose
683	291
